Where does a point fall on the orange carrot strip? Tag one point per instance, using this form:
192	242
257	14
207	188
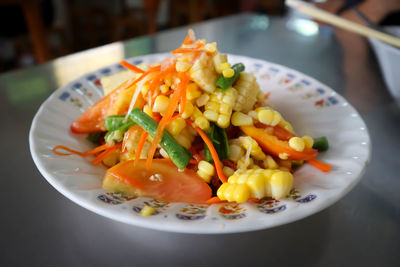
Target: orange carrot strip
104	154
135	182
189	39
56	148
140	146
131	67
186	50
319	165
215	200
267	94
184	78
253	199
83	154
214	154
193	161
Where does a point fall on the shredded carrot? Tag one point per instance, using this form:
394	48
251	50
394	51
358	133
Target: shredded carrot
229	163
140	146
193	161
83	154
215	200
105	154
184	78
131	67
214	154
186	50
189	39
128	135
319	165
135	182
267	94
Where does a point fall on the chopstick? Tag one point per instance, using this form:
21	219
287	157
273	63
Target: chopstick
337	21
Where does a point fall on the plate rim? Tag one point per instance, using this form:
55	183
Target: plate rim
203	230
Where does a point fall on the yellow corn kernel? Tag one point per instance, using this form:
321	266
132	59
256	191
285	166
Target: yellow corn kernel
281	184
196	113
145	89
225	109
270	163
308	141
147	211
297	143
253	114
147	110
164	88
161	104
283	156
192	91
221	191
225	66
235	152
239	119
202	100
112	159
188	110
228	171
242	193
255	150
233	179
256	184
183	140
269	117
176	126
164	153
211	115
286	125
228	73
223	121
211	47
207	167
230	192
202	123
182	66
230	96
205	170
212	105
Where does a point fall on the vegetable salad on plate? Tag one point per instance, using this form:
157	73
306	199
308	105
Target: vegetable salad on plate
193	128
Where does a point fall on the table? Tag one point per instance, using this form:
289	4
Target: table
40	227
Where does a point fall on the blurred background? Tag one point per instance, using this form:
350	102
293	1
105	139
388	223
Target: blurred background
35	31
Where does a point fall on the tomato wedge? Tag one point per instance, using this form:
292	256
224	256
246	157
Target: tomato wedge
116	102
273	145
162	182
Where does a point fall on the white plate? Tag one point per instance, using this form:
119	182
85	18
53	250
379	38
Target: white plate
313	108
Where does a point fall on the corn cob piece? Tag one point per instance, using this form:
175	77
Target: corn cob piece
203	73
219	107
256	183
248	90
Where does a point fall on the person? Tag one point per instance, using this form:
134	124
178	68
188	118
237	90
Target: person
380	12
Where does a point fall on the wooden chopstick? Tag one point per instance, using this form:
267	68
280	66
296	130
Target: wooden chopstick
337	21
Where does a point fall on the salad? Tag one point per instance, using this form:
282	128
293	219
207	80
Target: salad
193	128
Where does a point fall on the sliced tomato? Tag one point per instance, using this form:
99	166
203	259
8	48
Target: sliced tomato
273	145
162	182
116	102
